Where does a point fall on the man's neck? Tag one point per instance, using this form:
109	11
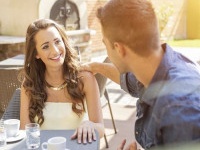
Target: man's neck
144	68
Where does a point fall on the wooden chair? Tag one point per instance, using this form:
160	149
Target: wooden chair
102	80
8	84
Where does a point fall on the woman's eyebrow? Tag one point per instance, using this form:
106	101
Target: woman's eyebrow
44	43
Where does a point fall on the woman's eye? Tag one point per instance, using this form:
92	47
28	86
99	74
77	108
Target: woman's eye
45	47
57	42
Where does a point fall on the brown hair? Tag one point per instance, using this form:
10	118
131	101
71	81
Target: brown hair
34	69
132	22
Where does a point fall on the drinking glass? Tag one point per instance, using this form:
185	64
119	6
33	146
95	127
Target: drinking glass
2	137
32	135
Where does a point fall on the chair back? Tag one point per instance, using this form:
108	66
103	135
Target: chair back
13	109
8	84
101	80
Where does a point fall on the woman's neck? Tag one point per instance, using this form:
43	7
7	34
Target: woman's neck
54	77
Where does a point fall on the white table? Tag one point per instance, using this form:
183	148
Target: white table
17	61
46	134
11	39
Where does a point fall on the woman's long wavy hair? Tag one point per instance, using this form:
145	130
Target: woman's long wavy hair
34	70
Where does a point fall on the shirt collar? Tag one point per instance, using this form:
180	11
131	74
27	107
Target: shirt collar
158	80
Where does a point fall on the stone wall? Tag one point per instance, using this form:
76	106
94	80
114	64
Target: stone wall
10	50
172	16
17	26
97	47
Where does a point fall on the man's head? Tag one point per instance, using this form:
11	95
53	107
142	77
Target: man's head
131	22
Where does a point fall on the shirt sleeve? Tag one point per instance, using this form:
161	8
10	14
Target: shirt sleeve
130	84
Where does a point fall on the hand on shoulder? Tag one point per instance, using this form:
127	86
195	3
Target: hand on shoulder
89	67
85	67
86	77
85	74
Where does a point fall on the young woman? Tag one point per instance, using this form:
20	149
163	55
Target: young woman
54	93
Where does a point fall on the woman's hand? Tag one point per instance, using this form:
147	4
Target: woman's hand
132	146
85	132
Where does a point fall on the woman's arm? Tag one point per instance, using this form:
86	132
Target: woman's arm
92	96
24	109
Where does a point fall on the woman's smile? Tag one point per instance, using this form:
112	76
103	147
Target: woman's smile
57	57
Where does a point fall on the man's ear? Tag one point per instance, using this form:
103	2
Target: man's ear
119	47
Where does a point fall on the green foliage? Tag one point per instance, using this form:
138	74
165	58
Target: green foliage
163	12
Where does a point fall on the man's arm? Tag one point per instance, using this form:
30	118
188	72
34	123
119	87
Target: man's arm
106	69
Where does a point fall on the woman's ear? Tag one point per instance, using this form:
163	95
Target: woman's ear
38	57
119	47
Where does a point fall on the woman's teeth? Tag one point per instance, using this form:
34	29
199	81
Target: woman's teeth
56	57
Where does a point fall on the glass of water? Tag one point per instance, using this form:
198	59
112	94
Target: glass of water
32	135
2	137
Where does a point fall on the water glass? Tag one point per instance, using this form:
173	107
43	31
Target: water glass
2	137
32	135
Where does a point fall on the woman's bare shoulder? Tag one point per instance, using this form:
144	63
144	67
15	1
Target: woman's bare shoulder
85	75
87	78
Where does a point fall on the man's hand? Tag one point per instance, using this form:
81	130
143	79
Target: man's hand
87	67
132	146
106	69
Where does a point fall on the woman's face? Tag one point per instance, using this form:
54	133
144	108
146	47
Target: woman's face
50	47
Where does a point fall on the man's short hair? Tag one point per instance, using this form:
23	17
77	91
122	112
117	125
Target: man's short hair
132	22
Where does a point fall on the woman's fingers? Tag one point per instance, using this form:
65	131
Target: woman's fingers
74	136
85	133
79	136
94	135
89	135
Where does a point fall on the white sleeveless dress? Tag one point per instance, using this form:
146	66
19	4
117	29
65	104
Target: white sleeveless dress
60	116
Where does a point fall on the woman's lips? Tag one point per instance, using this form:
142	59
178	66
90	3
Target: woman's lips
56	58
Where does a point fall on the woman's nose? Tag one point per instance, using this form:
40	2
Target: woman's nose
54	49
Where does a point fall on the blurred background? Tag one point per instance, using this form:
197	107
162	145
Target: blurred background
179	23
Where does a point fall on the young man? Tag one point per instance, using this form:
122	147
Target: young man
166	82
